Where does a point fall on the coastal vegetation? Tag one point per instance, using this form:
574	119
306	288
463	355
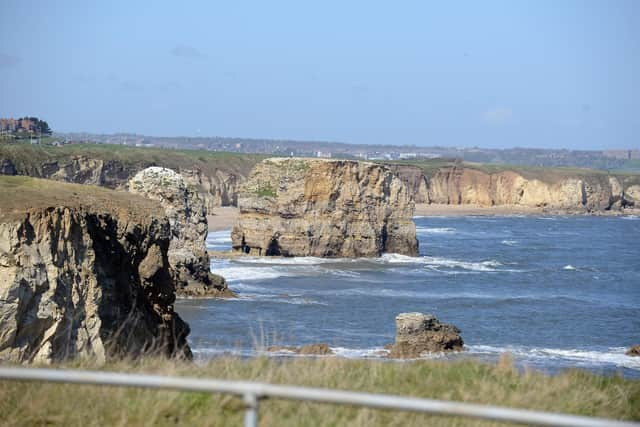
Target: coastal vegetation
27	157
573	391
546	174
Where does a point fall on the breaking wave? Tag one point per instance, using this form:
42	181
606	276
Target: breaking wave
435	230
218	239
236	273
612	356
258	293
290	260
438	262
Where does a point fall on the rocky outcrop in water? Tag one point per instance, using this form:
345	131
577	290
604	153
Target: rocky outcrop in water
324	208
317	349
418	333
84	272
634	351
187	216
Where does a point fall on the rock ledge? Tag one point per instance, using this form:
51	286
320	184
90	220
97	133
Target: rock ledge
418	333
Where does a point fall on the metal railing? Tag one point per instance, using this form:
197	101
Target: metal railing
253	392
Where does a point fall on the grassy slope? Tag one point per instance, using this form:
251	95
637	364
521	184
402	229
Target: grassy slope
431	166
20	193
31	158
573	392
27	157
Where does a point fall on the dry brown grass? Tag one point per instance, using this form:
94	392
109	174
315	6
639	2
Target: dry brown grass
20	194
575	392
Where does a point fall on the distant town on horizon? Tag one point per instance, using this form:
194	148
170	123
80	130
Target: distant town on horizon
619	159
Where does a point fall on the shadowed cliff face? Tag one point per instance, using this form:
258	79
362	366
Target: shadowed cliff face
85	280
310	207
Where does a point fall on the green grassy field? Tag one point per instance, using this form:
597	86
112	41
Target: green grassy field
574	392
27	157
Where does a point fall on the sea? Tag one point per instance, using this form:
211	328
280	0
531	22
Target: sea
554	292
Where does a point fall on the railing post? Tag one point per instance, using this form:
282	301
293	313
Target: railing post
252	404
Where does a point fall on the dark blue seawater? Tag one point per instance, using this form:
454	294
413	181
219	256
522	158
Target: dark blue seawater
555	292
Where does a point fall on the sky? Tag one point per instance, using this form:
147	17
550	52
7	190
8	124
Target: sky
495	74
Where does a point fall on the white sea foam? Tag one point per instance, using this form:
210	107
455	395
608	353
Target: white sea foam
247	292
435	230
569	267
630	217
290	260
233	274
612	356
509	242
579	357
360	353
438	262
219	236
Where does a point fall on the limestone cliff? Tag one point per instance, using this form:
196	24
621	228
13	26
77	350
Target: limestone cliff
84	272
326	208
574	190
214	176
187	216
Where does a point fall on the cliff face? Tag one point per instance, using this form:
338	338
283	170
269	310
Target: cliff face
84	272
413	177
459	185
186	213
215	179
327	208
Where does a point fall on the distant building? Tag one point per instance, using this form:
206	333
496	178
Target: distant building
322	154
407	156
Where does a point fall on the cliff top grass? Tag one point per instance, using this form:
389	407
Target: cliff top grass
31	157
547	174
21	194
573	392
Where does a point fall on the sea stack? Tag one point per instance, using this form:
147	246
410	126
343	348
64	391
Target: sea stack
187	214
418	333
324	208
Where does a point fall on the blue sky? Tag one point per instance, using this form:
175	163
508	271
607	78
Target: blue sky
485	73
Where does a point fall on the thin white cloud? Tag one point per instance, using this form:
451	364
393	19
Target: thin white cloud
184	51
497	115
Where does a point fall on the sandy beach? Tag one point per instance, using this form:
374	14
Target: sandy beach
423	209
222	218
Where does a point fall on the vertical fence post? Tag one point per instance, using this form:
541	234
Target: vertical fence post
251	403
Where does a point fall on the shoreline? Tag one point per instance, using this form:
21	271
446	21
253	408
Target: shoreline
223	218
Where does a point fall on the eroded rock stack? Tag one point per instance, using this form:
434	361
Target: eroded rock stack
188	218
324	208
84	273
418	333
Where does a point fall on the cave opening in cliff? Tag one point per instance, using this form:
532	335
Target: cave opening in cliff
274	248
